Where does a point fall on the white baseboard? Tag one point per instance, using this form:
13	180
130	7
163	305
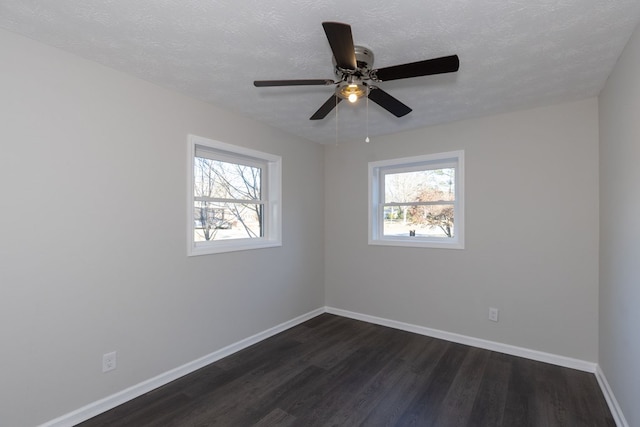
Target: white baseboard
616	412
554	359
130	393
540	356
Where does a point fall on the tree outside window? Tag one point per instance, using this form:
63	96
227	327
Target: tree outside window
228	200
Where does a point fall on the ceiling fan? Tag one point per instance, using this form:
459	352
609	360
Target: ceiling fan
356	78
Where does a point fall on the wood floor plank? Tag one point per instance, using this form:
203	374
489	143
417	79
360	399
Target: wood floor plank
587	398
253	411
277	417
489	404
551	390
456	408
358	373
334	371
424	409
412	379
374	388
520	395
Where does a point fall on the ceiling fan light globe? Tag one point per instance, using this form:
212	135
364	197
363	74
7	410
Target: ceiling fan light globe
351	91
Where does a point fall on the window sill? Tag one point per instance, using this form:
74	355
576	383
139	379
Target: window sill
232	246
412	242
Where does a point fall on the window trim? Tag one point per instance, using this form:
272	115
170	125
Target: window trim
377	171
272	190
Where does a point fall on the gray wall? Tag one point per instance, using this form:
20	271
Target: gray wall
93	188
620	230
531	233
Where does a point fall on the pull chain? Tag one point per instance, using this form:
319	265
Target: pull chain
337	102
367	108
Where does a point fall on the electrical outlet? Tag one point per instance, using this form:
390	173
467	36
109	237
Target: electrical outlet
109	361
493	314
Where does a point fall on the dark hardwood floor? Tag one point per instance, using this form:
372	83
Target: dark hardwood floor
334	371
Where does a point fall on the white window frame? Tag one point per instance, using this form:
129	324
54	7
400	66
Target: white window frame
271	188
377	171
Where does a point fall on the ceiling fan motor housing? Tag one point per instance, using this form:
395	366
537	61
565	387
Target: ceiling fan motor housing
364	60
353	82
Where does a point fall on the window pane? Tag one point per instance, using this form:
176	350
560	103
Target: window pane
420	186
418	221
218	221
223	180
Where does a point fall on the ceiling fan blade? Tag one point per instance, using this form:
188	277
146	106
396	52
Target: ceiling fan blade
326	108
388	102
446	64
341	42
311	82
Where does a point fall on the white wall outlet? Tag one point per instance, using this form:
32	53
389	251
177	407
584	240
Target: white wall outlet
493	314
109	361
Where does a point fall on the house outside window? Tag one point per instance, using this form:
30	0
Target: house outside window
234	198
417	201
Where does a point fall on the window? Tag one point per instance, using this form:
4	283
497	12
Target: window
234	198
417	201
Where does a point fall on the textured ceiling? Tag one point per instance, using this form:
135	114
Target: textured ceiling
514	54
